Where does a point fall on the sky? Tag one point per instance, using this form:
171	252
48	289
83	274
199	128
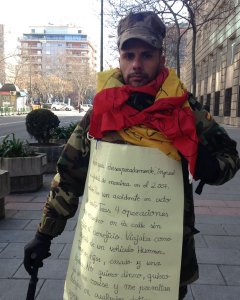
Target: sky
18	15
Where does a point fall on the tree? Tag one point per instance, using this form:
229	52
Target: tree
55	78
84	81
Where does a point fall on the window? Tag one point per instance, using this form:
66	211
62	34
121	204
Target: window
216	103
227	102
201	99
83	46
238	103
231	52
219	59
208	99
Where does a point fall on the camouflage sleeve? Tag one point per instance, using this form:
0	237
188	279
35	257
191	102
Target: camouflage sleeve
218	142
68	184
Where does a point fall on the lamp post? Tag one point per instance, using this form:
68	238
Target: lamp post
101	43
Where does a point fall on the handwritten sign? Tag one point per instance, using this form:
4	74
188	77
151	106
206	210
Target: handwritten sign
128	240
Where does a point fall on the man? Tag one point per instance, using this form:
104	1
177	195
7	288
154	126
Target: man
142	103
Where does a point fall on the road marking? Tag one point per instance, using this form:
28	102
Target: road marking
11	123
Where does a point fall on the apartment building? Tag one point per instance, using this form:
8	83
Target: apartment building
2	61
218	65
46	49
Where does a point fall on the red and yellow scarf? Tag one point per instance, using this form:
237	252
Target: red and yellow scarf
168	124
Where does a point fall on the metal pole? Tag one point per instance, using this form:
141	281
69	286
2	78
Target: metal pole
101	50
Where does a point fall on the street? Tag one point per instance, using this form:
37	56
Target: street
16	123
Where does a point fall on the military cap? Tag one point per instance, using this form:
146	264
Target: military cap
145	26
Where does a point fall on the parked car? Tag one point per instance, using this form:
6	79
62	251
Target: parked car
58	106
85	107
69	107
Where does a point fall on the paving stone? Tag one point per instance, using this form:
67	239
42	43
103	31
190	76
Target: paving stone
223	242
51	289
24	206
233	203
209	203
202	211
232	229
31	214
2	246
211	229
209	274
215	292
205	219
9	213
65	238
19	198
189	294
52	269
8	267
13	250
225	211
16	250
231	274
32	225
12	289
20	236
220	196
13	224
65	254
40	199
218	256
199	241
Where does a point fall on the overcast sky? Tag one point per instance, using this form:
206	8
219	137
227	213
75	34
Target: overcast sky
18	15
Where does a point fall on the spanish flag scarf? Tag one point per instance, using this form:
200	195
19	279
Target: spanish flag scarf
167	124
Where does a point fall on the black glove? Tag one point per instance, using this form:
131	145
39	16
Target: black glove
36	251
207	166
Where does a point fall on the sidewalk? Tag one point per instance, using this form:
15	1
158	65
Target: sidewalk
217	245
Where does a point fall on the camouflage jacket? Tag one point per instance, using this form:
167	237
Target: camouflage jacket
68	184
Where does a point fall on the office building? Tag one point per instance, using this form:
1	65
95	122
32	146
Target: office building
218	66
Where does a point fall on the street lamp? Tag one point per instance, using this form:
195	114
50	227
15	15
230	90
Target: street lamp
101	43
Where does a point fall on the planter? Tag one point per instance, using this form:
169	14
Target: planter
52	152
26	173
4	190
58	141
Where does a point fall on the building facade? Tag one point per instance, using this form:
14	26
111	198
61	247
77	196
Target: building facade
218	66
47	48
2	60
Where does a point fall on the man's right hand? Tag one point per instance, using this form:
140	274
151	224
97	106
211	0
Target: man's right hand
36	251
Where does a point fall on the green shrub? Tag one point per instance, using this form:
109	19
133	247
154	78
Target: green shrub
41	123
64	132
13	147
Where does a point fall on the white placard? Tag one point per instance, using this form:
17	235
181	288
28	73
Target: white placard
128	241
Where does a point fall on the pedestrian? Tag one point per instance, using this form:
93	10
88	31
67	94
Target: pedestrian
141	107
